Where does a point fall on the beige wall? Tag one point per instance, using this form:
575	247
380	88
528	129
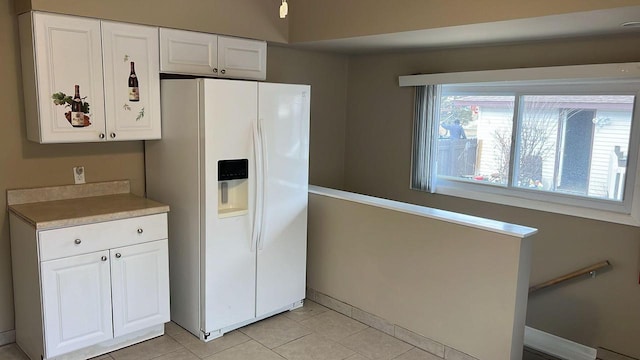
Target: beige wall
460	286
327	74
27	164
604	311
313	20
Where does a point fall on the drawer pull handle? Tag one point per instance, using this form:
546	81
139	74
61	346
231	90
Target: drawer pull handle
118	255
140	231
77	241
103	258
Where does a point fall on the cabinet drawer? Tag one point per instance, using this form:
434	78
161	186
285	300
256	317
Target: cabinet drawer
88	238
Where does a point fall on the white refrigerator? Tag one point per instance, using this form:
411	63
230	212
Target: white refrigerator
233	165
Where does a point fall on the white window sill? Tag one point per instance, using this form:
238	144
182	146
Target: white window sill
469	192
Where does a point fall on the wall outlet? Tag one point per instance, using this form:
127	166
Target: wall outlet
78	175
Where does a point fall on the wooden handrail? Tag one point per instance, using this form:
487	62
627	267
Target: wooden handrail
569	276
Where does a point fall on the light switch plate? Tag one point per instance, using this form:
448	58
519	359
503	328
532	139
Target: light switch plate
78	175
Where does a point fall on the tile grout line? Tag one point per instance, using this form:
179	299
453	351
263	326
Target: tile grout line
338	306
183	346
412	347
357	332
314	293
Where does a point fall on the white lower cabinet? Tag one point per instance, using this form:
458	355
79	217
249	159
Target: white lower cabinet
139	286
103	286
76	299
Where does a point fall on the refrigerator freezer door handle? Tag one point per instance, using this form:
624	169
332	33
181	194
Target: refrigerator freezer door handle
257	149
264	176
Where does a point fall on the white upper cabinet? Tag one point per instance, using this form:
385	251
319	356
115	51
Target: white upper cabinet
132	81
194	53
242	58
58	54
188	52
76	79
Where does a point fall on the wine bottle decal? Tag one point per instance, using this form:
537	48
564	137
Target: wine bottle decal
77	116
134	91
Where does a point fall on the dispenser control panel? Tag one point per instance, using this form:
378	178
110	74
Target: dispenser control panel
233	187
233	169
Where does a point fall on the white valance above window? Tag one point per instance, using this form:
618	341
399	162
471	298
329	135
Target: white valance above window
597	71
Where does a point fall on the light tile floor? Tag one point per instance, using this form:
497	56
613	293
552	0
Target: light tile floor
312	332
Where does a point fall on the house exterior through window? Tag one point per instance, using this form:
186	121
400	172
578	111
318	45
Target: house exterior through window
561	139
570	144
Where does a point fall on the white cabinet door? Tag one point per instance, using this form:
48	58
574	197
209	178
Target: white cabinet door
67	54
140	282
188	52
242	58
284	120
132	81
76	297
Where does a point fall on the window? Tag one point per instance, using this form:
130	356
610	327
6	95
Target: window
562	145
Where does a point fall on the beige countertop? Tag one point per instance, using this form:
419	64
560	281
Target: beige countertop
69	210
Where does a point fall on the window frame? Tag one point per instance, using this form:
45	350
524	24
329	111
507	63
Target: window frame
609	79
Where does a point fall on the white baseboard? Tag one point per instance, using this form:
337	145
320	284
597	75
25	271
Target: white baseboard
7	337
557	346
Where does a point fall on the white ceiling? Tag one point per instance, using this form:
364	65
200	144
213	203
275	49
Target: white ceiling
590	23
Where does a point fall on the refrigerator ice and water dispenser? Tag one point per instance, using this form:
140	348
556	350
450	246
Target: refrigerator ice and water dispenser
233	187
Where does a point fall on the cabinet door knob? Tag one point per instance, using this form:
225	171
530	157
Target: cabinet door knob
101	136
113	135
103	258
215	70
223	71
77	241
118	255
140	231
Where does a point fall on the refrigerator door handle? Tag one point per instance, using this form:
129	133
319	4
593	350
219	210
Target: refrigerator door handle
264	176
257	211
